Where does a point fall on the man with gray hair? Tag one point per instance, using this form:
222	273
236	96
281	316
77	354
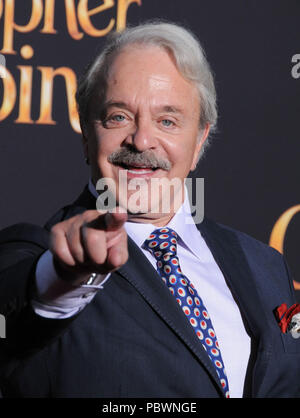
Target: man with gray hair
128	299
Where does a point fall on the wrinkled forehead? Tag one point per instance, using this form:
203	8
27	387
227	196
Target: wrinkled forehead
141	59
150	70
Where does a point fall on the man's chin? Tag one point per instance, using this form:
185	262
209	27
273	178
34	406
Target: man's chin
147	213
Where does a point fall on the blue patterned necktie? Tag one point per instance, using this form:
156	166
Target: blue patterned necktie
162	243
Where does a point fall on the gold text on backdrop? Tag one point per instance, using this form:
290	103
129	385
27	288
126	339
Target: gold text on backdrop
78	23
279	231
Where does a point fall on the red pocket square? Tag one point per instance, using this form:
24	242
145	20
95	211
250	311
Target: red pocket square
284	315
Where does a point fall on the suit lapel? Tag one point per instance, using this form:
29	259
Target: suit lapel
139	272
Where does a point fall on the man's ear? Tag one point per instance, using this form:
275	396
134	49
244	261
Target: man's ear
202	136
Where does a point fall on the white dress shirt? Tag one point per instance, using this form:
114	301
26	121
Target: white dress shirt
197	263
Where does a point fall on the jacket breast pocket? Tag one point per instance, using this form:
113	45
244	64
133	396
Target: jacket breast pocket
291	345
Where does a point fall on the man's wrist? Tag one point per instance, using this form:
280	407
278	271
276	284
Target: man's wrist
74	278
58	298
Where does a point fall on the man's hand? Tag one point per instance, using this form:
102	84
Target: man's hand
89	243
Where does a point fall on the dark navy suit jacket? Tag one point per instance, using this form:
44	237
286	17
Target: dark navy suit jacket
133	340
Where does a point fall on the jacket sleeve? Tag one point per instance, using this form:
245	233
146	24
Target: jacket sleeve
21	245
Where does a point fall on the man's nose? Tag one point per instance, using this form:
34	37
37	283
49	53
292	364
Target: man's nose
142	137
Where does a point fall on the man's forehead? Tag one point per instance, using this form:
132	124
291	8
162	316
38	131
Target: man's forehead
151	62
169	108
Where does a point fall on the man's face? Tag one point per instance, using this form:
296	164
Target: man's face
150	119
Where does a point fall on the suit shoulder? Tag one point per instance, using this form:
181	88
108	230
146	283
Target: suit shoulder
24	232
267	265
248	242
244	237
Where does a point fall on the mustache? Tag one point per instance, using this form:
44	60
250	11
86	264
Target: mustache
146	158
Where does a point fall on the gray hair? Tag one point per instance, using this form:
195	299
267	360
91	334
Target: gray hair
186	50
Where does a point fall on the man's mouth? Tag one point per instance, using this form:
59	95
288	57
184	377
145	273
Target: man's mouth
138	169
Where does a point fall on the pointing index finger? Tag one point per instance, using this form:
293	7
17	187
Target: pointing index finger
114	220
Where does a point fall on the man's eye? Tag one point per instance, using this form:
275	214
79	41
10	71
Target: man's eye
114	120
167	122
118	118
